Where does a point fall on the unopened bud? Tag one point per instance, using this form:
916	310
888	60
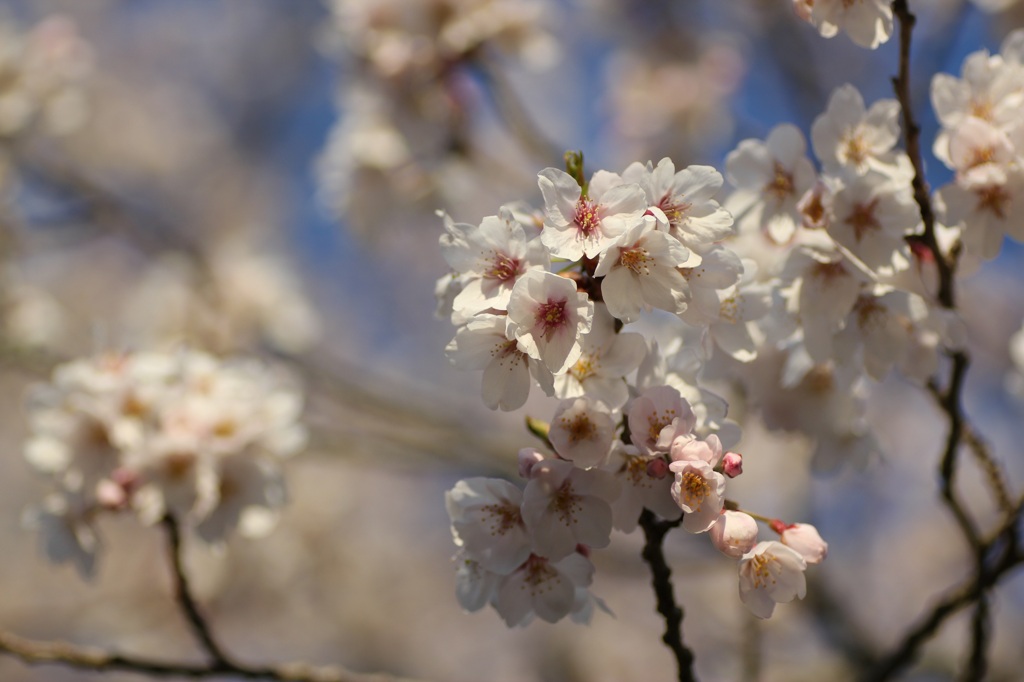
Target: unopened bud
732	464
734	533
806	541
657	468
528	457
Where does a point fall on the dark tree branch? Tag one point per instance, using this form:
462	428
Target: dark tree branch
986	573
973	591
220	663
91	659
655	531
183	596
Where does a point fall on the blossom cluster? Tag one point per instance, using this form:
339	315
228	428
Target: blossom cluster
631	295
179	434
982	140
633	428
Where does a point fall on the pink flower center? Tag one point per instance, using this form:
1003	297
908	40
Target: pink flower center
993	199
870	314
584	368
579	427
551	317
781	186
658	422
862	219
566	504
503	268
761	570
537	571
636	258
587	217
827	271
502	518
856	150
675	209
693	490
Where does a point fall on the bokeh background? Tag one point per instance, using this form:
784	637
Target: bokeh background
261	177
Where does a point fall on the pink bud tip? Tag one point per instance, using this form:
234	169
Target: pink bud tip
657	468
528	457
732	464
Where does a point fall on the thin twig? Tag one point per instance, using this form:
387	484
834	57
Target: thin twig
661	578
950	401
183	595
906	652
92	659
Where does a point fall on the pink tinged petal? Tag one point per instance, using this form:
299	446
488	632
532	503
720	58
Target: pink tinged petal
750	165
883	124
949	98
474	585
594	527
774	571
756	600
560	192
787	145
582	432
536	587
506	379
736	341
528	459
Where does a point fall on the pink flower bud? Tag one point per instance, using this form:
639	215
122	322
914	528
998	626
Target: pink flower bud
734	533
528	457
732	464
657	468
804	539
110	495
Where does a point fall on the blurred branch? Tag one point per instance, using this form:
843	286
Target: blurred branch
183	596
655	531
975	590
950	401
515	115
220	664
92	659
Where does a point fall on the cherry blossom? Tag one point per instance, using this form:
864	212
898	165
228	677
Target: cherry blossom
565	506
771	573
483	344
578	225
656	416
640	272
685	199
849	138
544	588
606	358
643	486
491	258
486	520
582	431
547	316
699	491
770	177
